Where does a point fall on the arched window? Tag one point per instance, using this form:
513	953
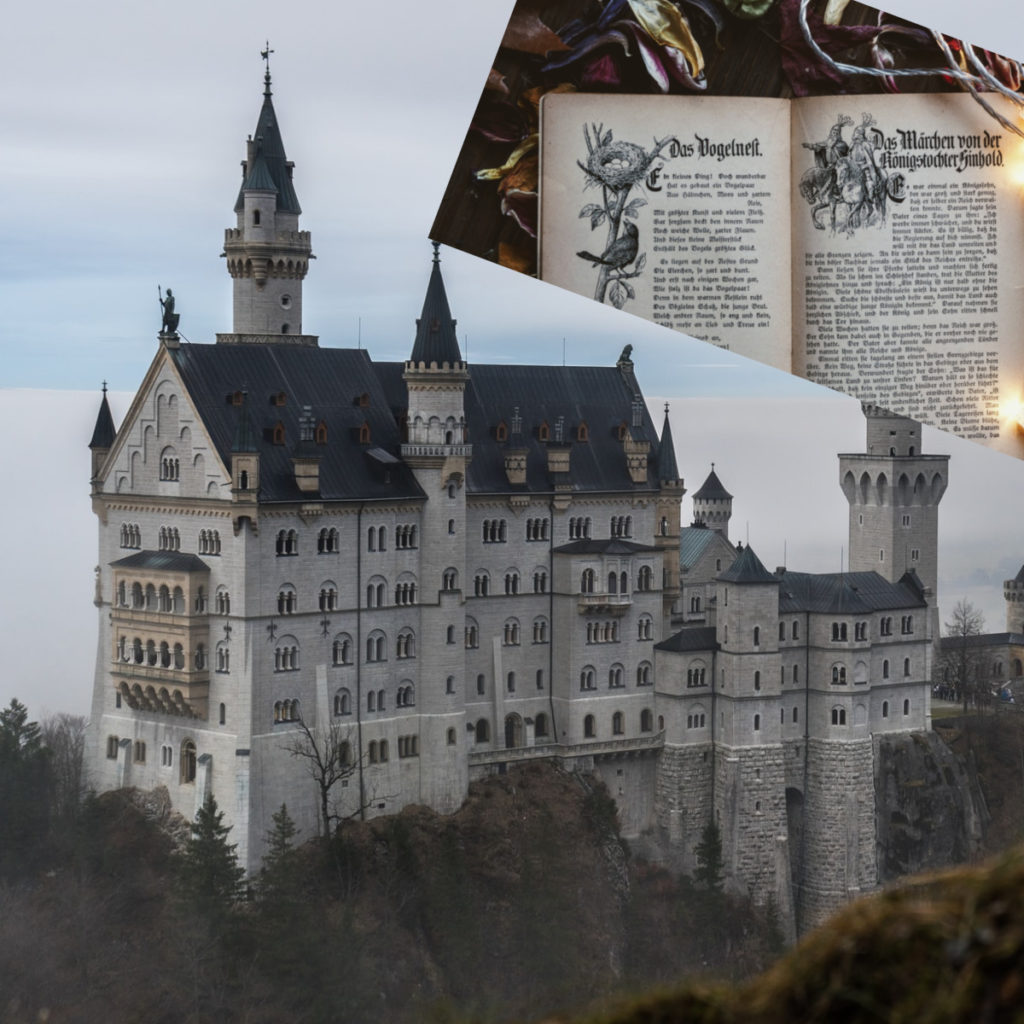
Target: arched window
645	579
588	678
223	658
540	580
587	581
511	633
757	636
472	634
615	677
646	720
906	667
376	646
287	600
885	668
341	649
511	582
222	601
645	628
406	644
481	684
343	702
286	655
481	584
450	580
839	716
644	675
757	680
540	725
452	738
287	543
757	723
482	731
885	709
188	761
540	630
906	707
328	600
618	724
589	727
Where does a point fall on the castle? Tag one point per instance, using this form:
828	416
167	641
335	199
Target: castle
448	569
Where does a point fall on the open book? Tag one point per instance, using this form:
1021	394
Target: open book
874	244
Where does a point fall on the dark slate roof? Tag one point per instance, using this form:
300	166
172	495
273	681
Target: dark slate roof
667	469
104	433
435	330
612	546
693	542
951	643
700	638
748	569
275	172
245	436
1019	578
712	489
600	396
172	561
854	593
332	382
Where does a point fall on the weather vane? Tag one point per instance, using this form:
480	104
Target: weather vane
265	54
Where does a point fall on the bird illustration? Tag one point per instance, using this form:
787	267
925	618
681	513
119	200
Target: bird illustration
620	253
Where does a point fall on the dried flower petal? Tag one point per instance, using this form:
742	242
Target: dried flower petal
834	11
666	25
497	173
528	34
496	82
751	8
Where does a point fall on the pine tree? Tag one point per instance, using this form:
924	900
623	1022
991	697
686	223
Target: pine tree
209	876
710	864
24	788
278	879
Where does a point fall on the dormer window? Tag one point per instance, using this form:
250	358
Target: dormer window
544	432
622	431
278	399
233	398
362	400
278	435
582	432
321	433
501	431
364	433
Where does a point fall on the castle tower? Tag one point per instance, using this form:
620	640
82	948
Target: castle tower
1013	591
749	784
894	493
102	438
671	491
436	450
267	255
712	504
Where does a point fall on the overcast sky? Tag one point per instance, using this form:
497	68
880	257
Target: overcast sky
122	142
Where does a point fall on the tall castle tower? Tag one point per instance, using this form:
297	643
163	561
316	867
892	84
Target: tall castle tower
894	493
267	255
435	449
1013	591
712	504
666	539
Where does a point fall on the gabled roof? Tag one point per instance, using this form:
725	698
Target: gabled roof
103	433
169	561
334	382
435	330
951	643
712	489
695	541
748	569
1019	578
853	593
269	169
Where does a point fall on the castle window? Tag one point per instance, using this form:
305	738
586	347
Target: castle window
839	716
287	600
286	655
209	542
906	667
287	543
718	565
511	582
406	696
795	631
364	433
860	631
757	723
371	752
495	531
643	674
328	598
838	675
757	680
451	738
483	731
510	682
906	520
451	527
481	684
341	650
645	578
881	554
376	593
907	624
644	628
540	630
582	432
200	658
449	580
223	658
796	714
540	582
405	536
615	677
695	604
885	627
256	216
343	702
481	584
588	679
885	668
371	700
540	679
405	592
757	636
449	684
589	730
328	542
188	761
170	540
543	432
915	554
511	633
587	581
449	635
618	724
277	433
405	646
885	709
169	465
646	720
906	707
536	529
376	646
540	725
112	745
223	713
383	747
796	673
782	631
472	634
222	601
166	756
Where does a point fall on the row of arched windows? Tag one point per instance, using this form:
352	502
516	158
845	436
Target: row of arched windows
409	746
162	654
209	542
537	529
286	711
621	526
603	632
616	676
131	535
579	528
287	543
151	598
170	467
618	724
482	582
618	583
188	755
170	539
328	541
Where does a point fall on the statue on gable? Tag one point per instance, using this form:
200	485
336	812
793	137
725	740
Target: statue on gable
169	326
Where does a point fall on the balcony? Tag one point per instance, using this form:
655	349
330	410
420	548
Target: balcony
617	747
616	604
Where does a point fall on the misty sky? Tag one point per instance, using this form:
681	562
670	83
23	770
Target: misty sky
122	142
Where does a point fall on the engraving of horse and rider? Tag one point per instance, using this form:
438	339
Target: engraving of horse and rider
848	180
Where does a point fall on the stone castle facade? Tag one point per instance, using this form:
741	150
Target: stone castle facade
449	569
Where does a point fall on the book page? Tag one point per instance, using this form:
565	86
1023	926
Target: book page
675	208
908	253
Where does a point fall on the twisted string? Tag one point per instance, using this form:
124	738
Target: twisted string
971	82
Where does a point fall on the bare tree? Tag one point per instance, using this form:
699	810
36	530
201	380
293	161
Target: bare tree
963	657
326	754
63	735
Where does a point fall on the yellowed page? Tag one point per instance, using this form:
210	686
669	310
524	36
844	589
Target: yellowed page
908	227
674	208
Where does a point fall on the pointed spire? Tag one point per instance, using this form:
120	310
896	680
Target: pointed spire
712	489
667	468
269	149
104	432
748	568
245	437
436	341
